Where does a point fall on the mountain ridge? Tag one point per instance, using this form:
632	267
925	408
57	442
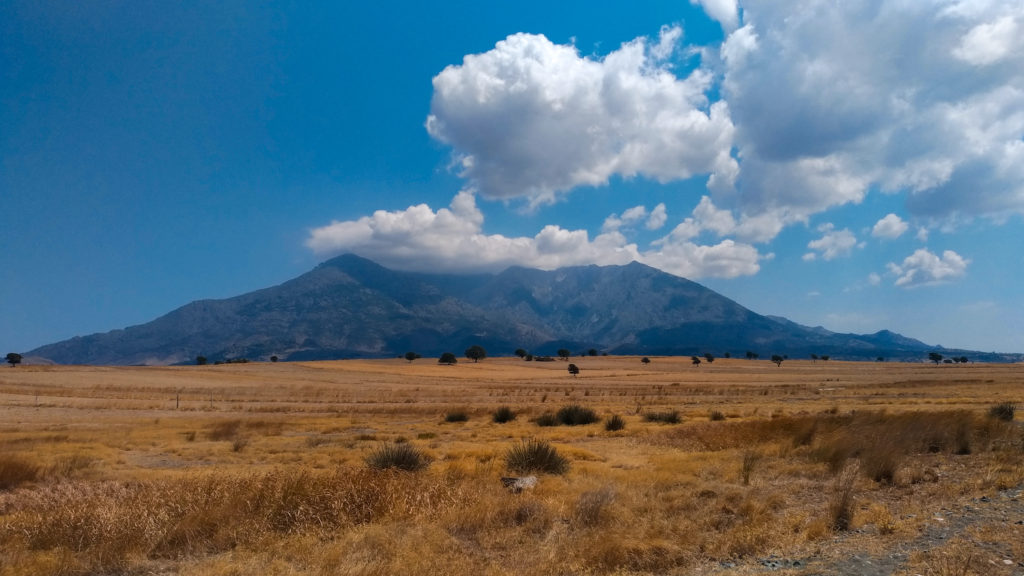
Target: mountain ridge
350	306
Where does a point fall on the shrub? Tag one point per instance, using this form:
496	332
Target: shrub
535	456
716	416
615	423
15	470
576	415
546	419
667	417
402	456
592	506
1004	411
504	414
224	430
750	460
458	415
840	508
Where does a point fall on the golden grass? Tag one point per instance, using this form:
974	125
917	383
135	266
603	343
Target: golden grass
261	468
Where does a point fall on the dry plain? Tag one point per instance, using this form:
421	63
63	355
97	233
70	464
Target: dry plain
808	468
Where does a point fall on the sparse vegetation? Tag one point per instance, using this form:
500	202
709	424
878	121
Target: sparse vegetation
147	488
447	358
13	358
535	456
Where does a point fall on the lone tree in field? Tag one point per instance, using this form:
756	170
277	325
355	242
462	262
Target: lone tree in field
520	352
574	370
447	358
777	359
563	353
476	353
592	352
709	357
410	356
13	358
645	360
752	355
935	357
695	360
274	358
201	360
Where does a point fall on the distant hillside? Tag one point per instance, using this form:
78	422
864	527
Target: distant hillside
351	307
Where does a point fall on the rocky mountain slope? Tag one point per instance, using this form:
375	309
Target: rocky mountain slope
352	307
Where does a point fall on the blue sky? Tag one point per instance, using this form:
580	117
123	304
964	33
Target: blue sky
856	165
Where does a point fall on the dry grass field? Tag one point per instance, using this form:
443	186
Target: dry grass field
735	467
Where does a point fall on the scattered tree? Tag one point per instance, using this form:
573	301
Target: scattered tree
709	357
645	360
880	359
410	356
777	359
13	358
592	352
520	352
529	358
751	355
447	358
727	355
476	353
201	360
814	357
935	357
825	357
695	360
574	370
274	358
563	353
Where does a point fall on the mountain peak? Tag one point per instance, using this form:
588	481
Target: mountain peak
370	310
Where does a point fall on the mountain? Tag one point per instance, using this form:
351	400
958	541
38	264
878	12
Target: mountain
352	307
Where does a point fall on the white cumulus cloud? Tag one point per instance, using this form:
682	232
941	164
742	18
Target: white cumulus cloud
890	227
923	268
832	244
532	119
832	99
726	12
452	239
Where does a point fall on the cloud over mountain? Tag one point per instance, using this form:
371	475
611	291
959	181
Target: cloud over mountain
532	119
452	239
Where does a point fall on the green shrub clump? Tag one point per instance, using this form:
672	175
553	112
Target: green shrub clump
504	414
614	423
1004	411
575	415
667	417
403	456
535	456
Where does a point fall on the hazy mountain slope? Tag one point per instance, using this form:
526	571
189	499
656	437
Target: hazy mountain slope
350	306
